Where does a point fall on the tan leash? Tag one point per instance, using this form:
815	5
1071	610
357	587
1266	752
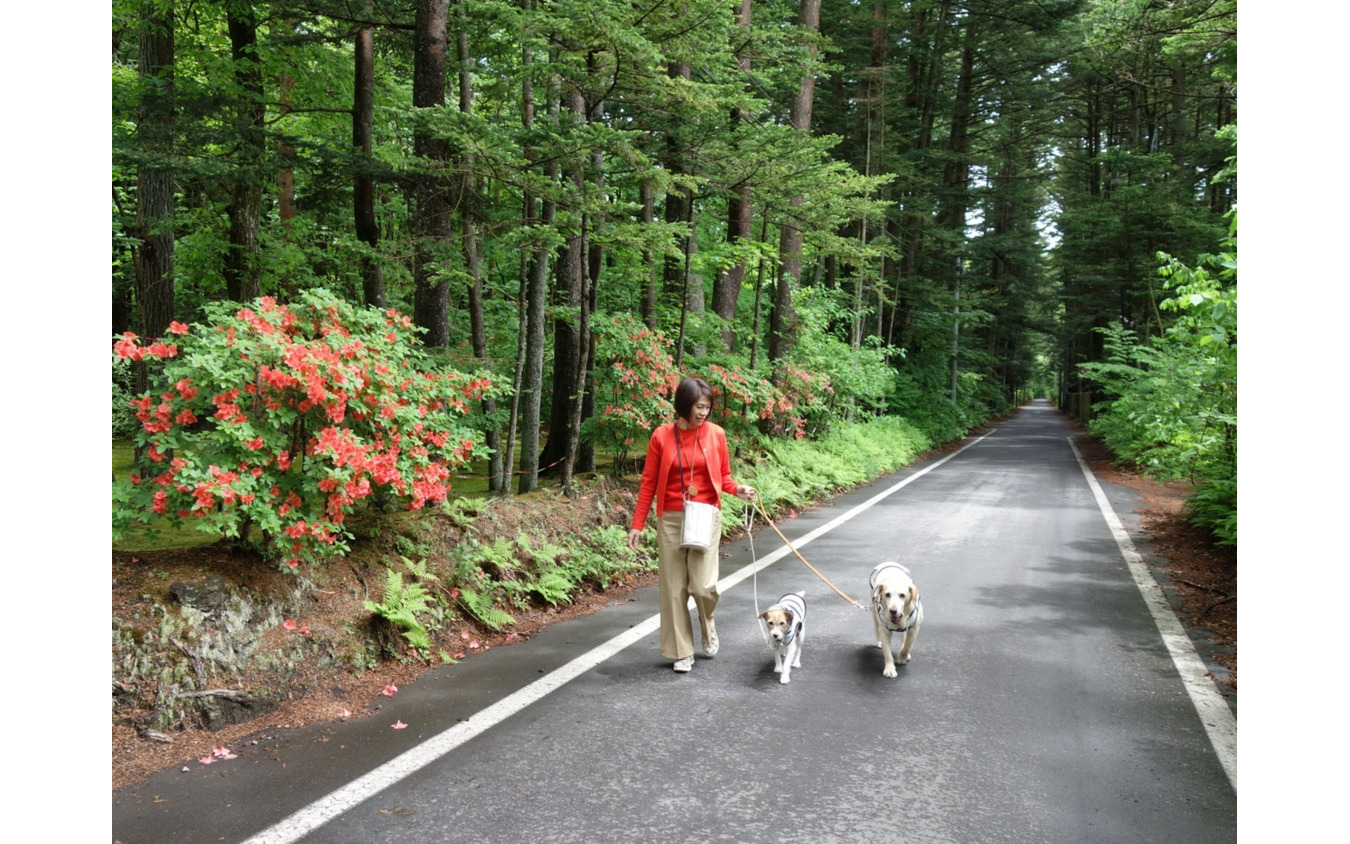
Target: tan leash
794	550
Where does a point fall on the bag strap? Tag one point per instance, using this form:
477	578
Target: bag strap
679	460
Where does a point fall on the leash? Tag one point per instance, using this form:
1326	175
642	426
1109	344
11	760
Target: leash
759	622
791	547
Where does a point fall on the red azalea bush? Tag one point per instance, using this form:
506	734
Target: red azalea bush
803	409
634	379
740	401
281	418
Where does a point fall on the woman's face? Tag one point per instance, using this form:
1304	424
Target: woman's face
699	411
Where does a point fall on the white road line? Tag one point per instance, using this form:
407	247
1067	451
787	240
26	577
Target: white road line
1219	721
316	814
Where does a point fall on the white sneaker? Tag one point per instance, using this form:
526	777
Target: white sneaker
682	666
711	642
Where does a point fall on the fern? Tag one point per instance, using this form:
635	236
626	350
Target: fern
553	587
480	606
401	606
1214	506
420	570
463	511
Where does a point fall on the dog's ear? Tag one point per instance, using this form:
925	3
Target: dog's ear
764	616
913	594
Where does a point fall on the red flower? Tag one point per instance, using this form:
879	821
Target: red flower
177	328
127	348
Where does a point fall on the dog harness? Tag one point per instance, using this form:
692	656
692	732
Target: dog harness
880	610
792	603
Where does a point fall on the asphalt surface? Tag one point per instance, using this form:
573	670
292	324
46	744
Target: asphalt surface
1041	704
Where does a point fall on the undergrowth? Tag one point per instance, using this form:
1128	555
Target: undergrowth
791	474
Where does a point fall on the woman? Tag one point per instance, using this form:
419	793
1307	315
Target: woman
688	458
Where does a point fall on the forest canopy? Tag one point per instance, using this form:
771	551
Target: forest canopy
933	209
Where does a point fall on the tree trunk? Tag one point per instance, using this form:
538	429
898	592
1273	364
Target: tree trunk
956	173
727	285
153	229
285	174
432	212
473	259
924	71
648	301
363	189
676	286
569	293
956	185
583	345
874	158
532	381
529	210
782	318
243	279
595	260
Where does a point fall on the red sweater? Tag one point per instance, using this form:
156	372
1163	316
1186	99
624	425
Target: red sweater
661	458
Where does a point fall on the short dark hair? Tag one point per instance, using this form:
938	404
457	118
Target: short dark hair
688	393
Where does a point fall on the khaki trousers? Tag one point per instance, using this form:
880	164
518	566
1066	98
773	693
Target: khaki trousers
684	572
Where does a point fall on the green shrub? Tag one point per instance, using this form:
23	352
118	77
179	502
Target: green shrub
1171	401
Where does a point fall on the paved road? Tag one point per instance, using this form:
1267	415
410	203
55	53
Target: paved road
1042	704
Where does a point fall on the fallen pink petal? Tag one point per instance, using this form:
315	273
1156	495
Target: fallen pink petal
464	634
389	690
289	624
399	725
344	714
206	760
304	631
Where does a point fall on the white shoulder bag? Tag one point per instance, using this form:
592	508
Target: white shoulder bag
699	529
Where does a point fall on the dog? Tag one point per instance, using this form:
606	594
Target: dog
895	609
785	622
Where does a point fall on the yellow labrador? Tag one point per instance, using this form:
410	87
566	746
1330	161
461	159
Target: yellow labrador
895	609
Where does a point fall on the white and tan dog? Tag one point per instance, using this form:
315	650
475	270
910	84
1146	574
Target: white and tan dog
785	622
895	609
